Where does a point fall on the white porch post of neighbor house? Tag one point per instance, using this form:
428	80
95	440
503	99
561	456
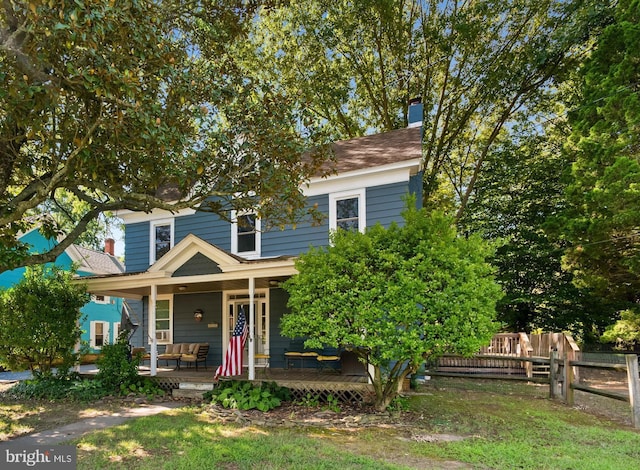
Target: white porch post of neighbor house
252	344
153	362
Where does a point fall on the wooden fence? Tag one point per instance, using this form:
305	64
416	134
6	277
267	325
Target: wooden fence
515	361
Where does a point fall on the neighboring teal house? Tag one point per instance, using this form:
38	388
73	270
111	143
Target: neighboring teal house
101	316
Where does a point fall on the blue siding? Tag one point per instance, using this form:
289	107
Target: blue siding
207	226
136	247
385	203
186	329
295	241
415	187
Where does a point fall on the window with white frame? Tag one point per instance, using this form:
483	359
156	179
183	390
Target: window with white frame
164	319
161	237
100	299
98	334
347	210
245	235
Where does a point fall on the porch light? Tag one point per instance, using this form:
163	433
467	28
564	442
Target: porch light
197	315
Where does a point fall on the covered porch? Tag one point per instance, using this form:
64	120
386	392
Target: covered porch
194	293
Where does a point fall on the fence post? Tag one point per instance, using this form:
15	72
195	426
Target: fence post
634	388
553	378
568	381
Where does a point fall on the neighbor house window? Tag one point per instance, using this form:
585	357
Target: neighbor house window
161	239
164	320
98	334
100	299
245	235
347	211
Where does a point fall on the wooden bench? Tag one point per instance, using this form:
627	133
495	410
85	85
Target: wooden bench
291	356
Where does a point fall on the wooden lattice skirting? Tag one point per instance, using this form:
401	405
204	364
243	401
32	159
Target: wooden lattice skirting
343	392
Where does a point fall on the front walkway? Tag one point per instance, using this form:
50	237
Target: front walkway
79	428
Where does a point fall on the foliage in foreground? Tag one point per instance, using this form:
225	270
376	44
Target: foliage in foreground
118	375
396	297
505	425
246	396
39	320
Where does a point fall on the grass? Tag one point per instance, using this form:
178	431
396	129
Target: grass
500	425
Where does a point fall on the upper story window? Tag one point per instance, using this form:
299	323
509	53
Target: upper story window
245	235
161	239
100	299
347	210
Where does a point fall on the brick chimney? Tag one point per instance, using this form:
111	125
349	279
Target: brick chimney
109	246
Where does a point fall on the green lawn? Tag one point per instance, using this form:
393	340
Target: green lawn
503	426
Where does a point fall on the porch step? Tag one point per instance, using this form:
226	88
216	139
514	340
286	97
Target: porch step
191	390
203	386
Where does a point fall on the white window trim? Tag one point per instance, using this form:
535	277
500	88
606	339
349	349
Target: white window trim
105	299
169	339
92	334
152	237
234	236
362	208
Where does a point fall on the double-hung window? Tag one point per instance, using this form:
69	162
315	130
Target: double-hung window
161	239
98	334
347	210
245	235
164	319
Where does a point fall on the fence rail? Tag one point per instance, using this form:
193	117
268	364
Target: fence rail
563	371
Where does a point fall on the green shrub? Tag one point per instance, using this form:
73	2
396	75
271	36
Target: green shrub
246	396
118	371
69	387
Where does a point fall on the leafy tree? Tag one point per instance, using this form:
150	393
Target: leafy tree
396	297
478	65
603	218
39	320
137	105
625	333
522	187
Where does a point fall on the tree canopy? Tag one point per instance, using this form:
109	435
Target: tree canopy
602	220
138	106
478	65
396	296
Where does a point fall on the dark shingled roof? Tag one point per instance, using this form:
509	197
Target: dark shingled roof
376	150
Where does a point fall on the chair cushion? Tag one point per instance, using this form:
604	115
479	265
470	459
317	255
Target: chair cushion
168	349
193	348
184	348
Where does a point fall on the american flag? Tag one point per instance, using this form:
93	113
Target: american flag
233	359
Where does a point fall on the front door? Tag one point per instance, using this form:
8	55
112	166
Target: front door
236	301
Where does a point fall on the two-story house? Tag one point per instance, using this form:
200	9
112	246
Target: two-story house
188	263
100	319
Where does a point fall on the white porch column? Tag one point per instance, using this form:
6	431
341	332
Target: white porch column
153	362
252	344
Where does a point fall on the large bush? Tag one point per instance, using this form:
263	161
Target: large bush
39	320
396	296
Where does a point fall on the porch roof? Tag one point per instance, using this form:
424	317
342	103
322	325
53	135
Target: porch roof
231	273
